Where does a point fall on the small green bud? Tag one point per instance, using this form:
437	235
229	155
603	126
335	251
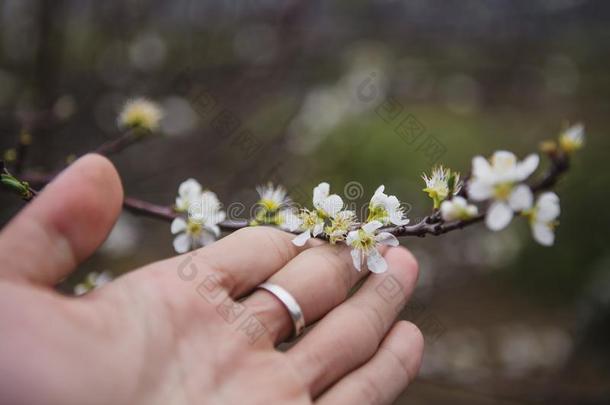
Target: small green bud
20	187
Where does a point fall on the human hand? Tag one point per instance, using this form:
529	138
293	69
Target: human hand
193	328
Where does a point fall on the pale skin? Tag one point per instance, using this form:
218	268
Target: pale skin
159	335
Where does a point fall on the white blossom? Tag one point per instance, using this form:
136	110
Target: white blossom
572	138
140	113
365	242
272	198
386	209
458	208
93	281
543	218
326	205
273	208
201	226
311	225
440	184
499	180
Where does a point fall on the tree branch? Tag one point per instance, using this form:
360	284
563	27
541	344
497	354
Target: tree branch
429	225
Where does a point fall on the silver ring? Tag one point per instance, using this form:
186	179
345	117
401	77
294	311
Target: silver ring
291	305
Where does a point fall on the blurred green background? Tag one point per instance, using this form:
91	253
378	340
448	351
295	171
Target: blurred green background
303	91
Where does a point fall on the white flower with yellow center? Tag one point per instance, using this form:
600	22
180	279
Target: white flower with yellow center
311	224
93	281
386	209
440	184
201	227
340	225
326	205
189	193
572	138
499	180
140	113
543	218
272	198
458	209
365	242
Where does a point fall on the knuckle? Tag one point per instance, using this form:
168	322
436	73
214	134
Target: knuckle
340	268
404	342
372	321
275	241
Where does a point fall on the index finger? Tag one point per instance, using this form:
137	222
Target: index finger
247	257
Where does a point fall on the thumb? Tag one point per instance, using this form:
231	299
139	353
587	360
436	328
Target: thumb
64	224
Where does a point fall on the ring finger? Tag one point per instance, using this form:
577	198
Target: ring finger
350	334
319	279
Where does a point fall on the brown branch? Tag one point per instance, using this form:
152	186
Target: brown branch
126	139
140	207
108	148
429	225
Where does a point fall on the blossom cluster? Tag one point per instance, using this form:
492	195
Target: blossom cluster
496	191
330	218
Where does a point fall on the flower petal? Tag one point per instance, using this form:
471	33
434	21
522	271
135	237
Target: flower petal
521	198
503	161
331	205
547	207
302	238
182	204
216	218
376	263
190	188
318	229
528	166
80	289
182	243
386	238
480	167
352	236
214	229
499	216
206	238
357	259
290	221
397	219
543	233
372	226
320	192
448	210
178	225
479	190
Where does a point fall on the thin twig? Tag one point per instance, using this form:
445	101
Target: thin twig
108	148
127	139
